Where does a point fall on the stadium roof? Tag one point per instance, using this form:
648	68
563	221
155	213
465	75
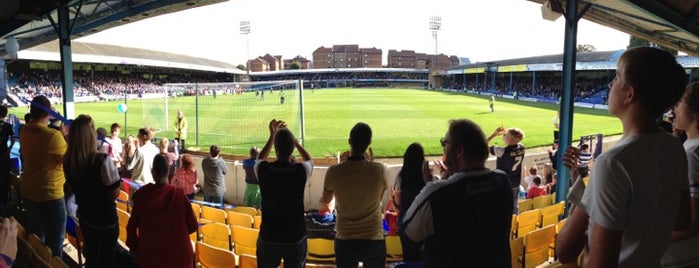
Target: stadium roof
32	22
670	23
558	58
98	53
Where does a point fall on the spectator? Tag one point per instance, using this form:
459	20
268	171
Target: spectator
142	161
172	158
536	189
181	126
484	195
94	179
358	186
103	146
186	176
584	159
411	178
160	223
553	154
509	158
214	171
682	249
116	143
6	135
252	196
631	202
41	183
529	180
282	184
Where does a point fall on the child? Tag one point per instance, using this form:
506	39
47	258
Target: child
536	189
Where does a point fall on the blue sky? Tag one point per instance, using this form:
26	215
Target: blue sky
480	30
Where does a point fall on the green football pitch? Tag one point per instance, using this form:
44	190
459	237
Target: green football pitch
398	117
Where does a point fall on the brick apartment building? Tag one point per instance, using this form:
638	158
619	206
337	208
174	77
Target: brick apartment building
410	59
347	56
266	63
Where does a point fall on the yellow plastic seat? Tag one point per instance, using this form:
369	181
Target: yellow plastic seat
513	227
550	214
239	219
537	244
122	201
541	201
528	221
247	261
213	257
57	262
213	214
516	251
525	205
559	227
75	238
394	249
123	221
42	249
196	208
247	210
257	222
245	240
321	250
216	234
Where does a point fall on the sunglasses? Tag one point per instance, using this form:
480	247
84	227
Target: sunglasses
443	142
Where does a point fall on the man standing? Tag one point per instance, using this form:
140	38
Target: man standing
509	158
6	134
483	194
358	186
42	178
142	161
181	130
282	184
214	171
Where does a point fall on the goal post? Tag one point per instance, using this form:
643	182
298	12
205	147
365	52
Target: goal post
233	115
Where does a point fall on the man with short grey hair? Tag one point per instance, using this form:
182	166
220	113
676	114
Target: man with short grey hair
214	171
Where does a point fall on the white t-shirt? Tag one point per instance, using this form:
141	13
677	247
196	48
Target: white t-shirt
635	188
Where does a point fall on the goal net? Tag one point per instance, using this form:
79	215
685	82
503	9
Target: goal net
234	116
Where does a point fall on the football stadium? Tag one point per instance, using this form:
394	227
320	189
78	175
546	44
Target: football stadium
327	148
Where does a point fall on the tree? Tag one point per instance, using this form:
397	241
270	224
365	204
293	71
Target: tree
240	67
640	42
585	48
295	65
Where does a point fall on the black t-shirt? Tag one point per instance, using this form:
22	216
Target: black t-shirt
6	132
472	216
94	205
282	187
511	162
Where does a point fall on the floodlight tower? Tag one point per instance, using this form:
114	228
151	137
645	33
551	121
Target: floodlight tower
435	26
245	29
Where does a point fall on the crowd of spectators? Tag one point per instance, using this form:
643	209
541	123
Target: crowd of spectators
547	87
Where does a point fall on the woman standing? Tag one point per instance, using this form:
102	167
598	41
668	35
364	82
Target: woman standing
160	223
96	183
410	180
186	176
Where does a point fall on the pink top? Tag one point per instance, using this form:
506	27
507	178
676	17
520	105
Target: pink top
185	179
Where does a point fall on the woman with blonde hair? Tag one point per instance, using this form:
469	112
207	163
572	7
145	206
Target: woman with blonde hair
186	176
94	179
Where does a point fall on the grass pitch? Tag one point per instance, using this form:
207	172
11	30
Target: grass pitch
398	117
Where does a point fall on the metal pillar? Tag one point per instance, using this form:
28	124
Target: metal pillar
566	106
64	32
